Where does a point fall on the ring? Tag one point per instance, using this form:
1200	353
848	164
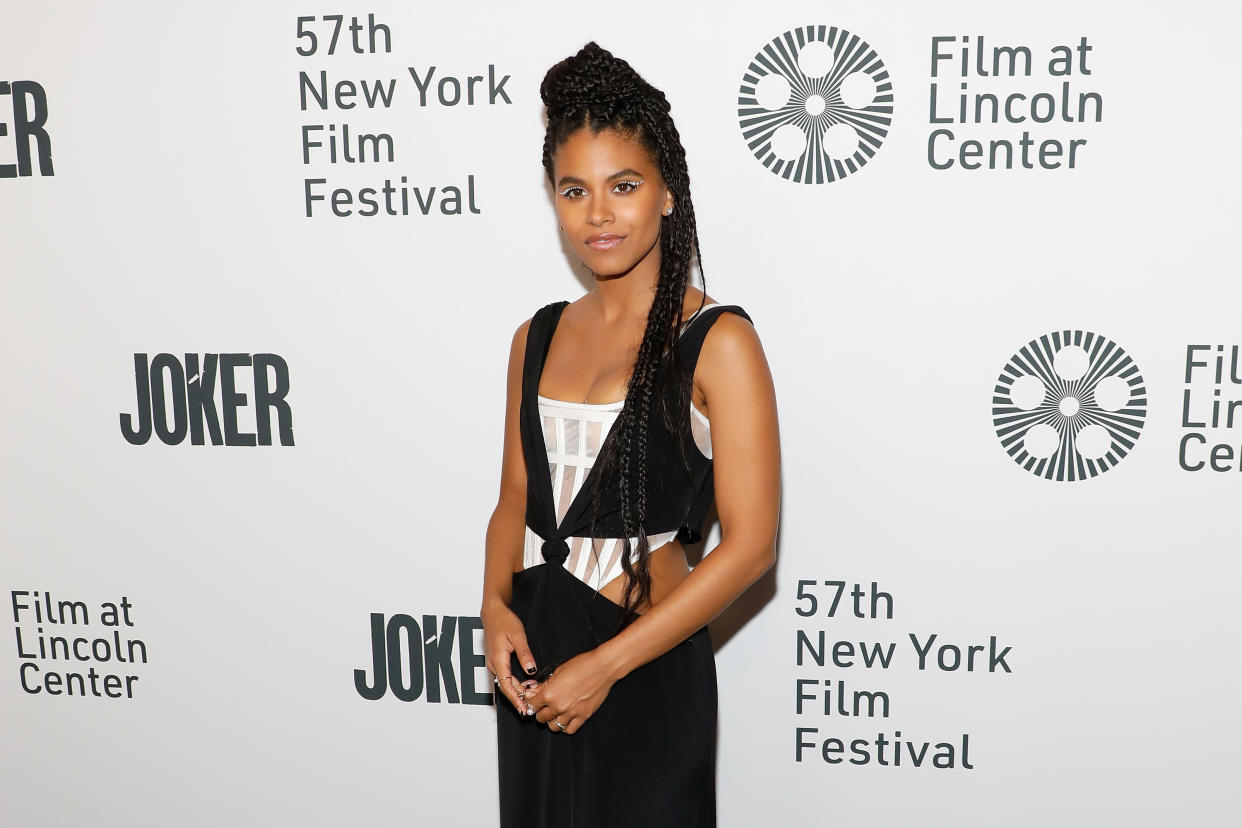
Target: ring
496	680
558	723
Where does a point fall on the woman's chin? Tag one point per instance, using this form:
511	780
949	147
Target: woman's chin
609	269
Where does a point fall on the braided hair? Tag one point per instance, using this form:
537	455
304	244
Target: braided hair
597	91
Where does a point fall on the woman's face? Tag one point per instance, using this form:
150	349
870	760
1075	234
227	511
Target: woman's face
610	198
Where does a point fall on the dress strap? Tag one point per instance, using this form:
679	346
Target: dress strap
538	341
540	503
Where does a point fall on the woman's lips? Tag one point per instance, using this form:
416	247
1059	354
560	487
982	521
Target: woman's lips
604	241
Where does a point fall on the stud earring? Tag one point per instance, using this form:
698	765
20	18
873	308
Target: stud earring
669	211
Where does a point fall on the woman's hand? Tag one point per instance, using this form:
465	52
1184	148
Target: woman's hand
573	692
504	634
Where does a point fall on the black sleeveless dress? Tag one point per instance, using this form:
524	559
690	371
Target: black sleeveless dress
647	756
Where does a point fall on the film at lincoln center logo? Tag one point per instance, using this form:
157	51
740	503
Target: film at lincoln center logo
1069	405
815	104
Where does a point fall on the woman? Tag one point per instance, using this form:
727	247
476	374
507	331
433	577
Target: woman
627	410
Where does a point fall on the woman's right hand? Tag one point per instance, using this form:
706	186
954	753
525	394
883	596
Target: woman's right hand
503	635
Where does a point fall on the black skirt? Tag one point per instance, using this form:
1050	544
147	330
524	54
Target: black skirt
646	757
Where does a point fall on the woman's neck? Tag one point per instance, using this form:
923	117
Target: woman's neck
627	296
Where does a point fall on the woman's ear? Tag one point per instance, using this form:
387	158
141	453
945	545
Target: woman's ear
668	204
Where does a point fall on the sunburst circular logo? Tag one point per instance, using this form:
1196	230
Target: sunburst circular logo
815	104
1069	405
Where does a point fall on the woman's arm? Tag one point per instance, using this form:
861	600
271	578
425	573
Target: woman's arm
508	524
741	404
503	632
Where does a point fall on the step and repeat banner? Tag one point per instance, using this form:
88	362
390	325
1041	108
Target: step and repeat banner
261	265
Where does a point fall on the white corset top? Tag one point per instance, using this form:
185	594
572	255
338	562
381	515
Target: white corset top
573	434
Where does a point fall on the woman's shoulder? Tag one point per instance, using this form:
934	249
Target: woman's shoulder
730	336
542	311
523	330
731	364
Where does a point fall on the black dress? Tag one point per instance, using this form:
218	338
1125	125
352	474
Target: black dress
646	757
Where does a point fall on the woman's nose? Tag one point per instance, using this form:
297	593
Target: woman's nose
598	211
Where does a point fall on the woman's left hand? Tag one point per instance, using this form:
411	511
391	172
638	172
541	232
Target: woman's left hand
572	693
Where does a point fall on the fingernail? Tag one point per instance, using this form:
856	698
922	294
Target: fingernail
529	683
530	668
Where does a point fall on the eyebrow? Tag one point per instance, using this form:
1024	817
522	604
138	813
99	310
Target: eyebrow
569	179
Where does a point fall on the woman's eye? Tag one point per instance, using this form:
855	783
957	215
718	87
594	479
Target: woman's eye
572	192
627	186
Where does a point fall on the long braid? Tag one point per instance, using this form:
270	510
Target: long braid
597	91
664	320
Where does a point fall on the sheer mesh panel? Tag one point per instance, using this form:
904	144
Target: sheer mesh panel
614	556
549	433
575	554
602	551
594	438
569	474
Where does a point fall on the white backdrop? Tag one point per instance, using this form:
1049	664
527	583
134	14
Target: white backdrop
889	302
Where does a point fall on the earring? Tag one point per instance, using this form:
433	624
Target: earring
669	211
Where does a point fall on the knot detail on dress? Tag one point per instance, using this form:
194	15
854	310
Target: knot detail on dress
555	550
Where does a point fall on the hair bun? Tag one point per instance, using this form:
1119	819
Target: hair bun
595	79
